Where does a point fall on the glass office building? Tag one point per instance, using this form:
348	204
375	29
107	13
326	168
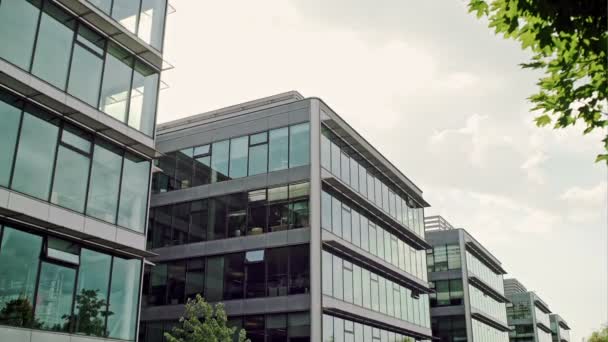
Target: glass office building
530	317
79	82
469	300
280	210
560	330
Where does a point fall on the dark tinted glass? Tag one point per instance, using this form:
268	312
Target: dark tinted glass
299	269
255	274
234	276
277	271
176	282
195	275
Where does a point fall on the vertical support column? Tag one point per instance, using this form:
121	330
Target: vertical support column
465	286
316	310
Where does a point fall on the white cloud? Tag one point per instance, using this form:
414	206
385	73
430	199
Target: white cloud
595	195
458	81
533	167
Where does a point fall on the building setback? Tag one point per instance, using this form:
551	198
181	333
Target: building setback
469	302
280	210
560	331
527	313
79	81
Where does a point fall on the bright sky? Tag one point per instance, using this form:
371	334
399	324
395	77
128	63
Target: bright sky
441	97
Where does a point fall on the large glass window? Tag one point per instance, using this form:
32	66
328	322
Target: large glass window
278	149
214	286
176	282
116	82
54	45
18	23
87	64
11	117
126	12
19	255
72	169
124	298
277	271
238	157
54	297
142	107
195	276
255	273
299	269
152	22
36	155
92	293
299	145
234	276
219	161
258	153
105	181
134	193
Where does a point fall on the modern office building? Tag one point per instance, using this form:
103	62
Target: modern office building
527	313
79	81
280	210
560	331
469	302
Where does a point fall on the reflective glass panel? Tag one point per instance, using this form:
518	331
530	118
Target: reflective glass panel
116	82
142	107
71	176
134	193
238	157
92	293
124	298
278	149
54	297
87	63
258	159
18	23
126	12
105	180
8	135
299	146
152	22
219	161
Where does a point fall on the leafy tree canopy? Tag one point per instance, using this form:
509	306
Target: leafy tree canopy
600	336
568	39
203	323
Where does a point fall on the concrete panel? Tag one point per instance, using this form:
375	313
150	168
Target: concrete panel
43	336
28	206
99	229
298	236
277	121
130	238
299	116
14	334
66	218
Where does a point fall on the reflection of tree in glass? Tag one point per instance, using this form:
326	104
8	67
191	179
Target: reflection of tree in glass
89	315
19	312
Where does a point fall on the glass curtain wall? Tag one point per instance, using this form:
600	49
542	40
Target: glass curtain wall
263	152
342	330
478	268
366	232
54	161
351	283
41	38
54	284
349	167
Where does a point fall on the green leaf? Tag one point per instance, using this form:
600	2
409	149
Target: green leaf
542	120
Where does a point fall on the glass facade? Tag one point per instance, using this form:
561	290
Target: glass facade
480	301
485	333
443	258
366	232
284	327
244	213
351	283
541	317
449	328
43	39
342	330
481	270
59	163
252	274
447	292
363	179
145	18
258	153
53	284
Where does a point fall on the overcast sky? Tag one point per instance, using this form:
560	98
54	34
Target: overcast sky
442	98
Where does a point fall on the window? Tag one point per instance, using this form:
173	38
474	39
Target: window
326	206
258	153
176	282
72	169
11	116
237	214
255	273
299	269
277	271
87	64
18	23
346	223
357	285
124	295
134	193
278	149
142	106
299	146
35	155
219	161
202	165
327	275
254	325
234	276
116	82
258	216
54	296
92	287
354	174
336	208
338	289
276	327
126	12
453	255
195	278
152	21
53	45
19	255
238	157
356	232
325	152
214	286
345	167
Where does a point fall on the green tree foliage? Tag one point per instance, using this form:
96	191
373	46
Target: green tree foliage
20	313
600	336
203	323
91	314
568	39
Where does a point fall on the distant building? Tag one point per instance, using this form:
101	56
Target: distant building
527	313
469	303
559	329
